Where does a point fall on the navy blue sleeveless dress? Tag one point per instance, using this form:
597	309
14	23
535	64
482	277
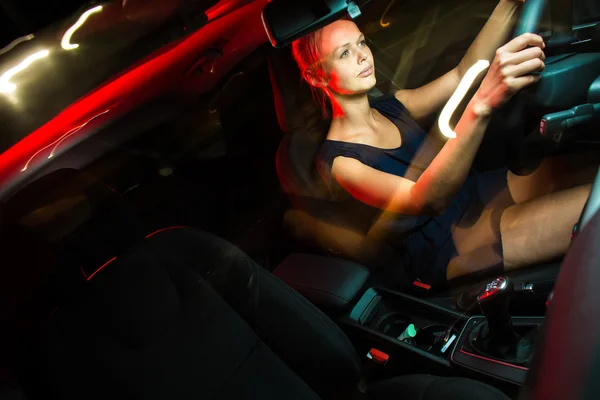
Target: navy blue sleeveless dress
424	244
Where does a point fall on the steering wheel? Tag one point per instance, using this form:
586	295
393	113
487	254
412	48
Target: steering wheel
520	158
566	362
531	15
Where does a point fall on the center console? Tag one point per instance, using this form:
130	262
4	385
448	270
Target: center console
497	344
411	325
512	367
399	333
420	336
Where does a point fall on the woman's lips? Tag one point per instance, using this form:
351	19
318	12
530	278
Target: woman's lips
366	72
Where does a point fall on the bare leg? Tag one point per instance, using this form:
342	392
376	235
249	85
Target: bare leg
554	174
532	232
540	230
482	233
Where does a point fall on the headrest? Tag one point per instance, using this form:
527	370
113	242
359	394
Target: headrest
301	118
294	104
85	219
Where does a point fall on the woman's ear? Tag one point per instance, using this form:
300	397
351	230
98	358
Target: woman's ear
314	80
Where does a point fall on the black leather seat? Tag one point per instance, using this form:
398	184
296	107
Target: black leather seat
186	315
177	314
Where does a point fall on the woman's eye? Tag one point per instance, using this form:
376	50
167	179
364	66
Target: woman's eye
344	54
362	43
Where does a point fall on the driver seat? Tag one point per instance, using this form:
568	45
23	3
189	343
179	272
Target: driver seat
315	219
317	222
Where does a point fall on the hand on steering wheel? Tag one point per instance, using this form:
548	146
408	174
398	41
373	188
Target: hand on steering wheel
511	70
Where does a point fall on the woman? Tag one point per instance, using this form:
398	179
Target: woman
369	148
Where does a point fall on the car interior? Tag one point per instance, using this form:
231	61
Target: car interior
186	247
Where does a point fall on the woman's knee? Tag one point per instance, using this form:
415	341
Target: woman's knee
540	230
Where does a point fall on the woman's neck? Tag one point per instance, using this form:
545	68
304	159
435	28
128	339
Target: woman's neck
353	110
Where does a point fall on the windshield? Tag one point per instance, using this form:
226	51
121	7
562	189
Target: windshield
42	73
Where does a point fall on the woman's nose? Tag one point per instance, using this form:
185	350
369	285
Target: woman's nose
362	56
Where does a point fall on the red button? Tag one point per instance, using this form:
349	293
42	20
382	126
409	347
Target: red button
543	127
378	356
422	285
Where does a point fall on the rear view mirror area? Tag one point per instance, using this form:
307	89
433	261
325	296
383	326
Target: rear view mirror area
287	20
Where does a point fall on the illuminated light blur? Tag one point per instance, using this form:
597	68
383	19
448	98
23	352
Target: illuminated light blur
65	43
58	141
15	42
73	131
155	76
459	94
5	85
386	24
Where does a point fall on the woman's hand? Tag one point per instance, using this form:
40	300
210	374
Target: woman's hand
510	71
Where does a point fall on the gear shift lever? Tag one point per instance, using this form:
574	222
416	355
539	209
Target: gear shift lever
494	302
496	337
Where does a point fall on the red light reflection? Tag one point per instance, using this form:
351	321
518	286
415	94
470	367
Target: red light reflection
165	70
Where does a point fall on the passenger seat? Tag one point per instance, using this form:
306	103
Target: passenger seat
182	314
185	315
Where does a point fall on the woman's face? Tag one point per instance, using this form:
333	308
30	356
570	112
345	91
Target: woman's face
348	61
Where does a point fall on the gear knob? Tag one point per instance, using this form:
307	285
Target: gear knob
498	287
494	302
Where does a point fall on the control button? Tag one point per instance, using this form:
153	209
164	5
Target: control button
543	124
378	356
422	285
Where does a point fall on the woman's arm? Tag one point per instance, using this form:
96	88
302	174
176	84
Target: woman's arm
493	35
433	190
509	72
447	172
428	99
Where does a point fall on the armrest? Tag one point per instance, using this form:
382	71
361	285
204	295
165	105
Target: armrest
329	283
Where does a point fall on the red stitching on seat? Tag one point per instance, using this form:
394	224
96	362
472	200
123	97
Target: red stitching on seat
165	229
87	278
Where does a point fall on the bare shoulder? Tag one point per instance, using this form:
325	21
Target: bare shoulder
345	166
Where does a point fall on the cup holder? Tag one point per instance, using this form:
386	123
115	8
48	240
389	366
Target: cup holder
393	324
432	337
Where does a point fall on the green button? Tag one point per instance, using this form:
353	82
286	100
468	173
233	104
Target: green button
411	331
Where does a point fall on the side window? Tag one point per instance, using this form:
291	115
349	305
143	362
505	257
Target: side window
585	11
